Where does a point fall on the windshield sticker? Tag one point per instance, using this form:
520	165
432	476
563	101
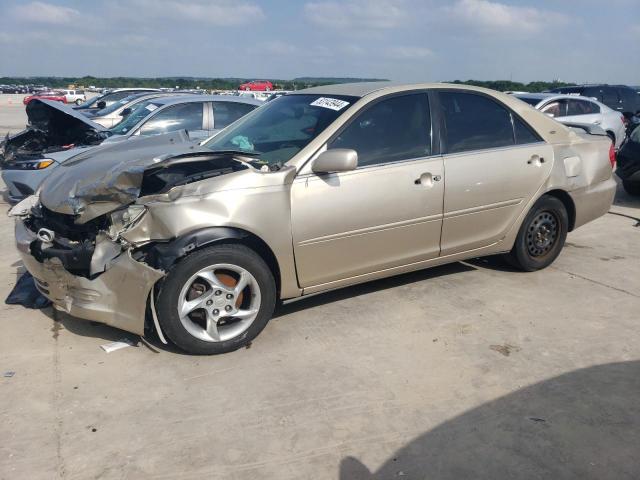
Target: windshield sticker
331	103
151	107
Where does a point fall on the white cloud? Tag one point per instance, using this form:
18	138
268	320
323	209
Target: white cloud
407	52
357	14
494	16
215	12
41	12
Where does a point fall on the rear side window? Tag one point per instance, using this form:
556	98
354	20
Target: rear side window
474	122
225	113
524	133
398	128
581	107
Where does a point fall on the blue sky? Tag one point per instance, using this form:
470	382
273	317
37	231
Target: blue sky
404	40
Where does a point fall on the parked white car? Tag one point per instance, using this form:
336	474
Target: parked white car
75	96
578	109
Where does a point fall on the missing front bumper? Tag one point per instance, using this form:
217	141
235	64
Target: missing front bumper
117	297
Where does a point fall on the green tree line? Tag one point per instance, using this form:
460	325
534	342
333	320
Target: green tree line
233	83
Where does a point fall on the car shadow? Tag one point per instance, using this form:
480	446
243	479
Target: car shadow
584	424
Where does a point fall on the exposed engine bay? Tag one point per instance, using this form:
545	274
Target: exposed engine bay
86	246
52	127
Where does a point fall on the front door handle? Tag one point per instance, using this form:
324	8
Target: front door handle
427	179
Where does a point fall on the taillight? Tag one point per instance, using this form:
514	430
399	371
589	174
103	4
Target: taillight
612	155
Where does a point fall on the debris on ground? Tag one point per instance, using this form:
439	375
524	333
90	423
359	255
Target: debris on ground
505	349
8	374
122	343
26	294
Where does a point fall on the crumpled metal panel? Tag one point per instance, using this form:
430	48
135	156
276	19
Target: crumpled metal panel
109	177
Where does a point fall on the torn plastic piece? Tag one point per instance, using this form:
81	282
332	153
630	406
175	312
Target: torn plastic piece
26	294
122	343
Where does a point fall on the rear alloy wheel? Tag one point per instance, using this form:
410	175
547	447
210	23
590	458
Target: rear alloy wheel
216	300
541	235
78	102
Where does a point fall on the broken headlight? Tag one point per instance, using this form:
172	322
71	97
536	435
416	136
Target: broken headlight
122	220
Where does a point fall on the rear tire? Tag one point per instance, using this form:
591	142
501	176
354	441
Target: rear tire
78	102
208	278
632	188
541	235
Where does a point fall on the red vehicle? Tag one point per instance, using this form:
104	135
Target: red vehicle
257	86
55	96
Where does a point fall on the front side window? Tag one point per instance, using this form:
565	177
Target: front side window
278	130
395	129
186	116
225	113
581	107
555	109
138	112
474	122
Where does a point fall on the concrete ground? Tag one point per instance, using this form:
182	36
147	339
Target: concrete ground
470	370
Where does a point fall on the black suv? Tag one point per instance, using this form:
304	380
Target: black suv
619	97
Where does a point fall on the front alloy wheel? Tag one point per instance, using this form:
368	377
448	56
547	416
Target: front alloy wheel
216	300
219	302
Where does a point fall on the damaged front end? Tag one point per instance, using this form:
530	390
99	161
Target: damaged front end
82	269
74	245
52	127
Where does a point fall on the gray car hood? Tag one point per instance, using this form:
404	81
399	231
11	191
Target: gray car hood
43	113
109	176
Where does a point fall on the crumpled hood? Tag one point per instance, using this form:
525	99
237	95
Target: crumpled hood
46	115
110	176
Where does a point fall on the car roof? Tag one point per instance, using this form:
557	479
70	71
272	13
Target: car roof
363	89
187	98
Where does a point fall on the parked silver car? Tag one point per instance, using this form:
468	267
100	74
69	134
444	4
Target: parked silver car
577	109
316	190
200	116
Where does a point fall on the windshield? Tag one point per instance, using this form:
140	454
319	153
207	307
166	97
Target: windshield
281	128
138	112
119	104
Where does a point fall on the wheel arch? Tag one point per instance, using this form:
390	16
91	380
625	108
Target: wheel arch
163	255
567	201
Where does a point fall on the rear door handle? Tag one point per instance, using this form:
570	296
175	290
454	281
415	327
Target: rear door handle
535	160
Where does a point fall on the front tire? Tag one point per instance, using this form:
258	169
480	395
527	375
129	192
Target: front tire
78	102
541	235
216	300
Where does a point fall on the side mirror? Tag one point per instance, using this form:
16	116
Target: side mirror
125	112
335	160
101	104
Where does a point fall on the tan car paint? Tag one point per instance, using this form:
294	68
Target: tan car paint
350	227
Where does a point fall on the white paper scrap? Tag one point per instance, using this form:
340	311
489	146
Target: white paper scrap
113	346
